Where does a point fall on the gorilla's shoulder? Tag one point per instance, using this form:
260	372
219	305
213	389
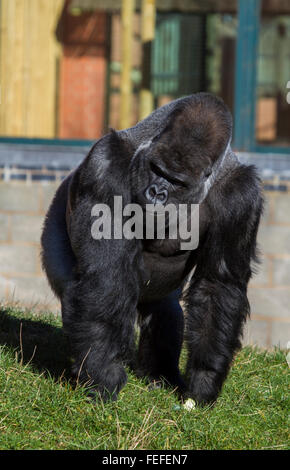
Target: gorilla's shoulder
104	171
243	182
237	194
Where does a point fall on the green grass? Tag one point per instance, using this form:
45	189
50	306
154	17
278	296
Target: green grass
39	409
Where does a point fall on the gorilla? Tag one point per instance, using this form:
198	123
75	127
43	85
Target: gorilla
180	154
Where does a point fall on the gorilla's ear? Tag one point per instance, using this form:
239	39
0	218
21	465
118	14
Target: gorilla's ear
204	122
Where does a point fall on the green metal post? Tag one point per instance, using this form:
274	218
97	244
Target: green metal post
245	74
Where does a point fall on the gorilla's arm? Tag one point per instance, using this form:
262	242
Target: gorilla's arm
99	305
216	300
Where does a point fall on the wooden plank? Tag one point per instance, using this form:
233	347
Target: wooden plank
28	65
148	19
193	6
11	67
126	81
162	5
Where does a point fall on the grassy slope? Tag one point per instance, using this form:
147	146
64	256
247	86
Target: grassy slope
40	410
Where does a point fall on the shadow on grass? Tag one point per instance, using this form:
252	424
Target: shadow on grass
43	345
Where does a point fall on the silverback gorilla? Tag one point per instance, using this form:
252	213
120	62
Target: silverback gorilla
180	154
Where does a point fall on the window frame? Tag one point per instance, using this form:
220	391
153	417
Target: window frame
47	141
249	14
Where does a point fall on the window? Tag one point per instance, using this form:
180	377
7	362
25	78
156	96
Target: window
262	113
273	74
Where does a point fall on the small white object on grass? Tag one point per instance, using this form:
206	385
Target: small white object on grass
189	404
288	353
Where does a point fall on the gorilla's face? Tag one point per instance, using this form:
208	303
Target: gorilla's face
178	165
163	174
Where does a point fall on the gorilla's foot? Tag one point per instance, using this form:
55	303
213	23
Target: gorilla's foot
204	387
103	383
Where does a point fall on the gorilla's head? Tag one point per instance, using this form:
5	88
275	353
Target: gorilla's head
180	163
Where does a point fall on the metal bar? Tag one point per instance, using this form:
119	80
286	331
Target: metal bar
271	149
55	142
246	71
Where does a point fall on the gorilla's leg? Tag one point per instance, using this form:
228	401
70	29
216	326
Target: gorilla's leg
214	321
161	339
99	323
216	300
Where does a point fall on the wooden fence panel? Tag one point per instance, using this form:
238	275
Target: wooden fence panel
28	67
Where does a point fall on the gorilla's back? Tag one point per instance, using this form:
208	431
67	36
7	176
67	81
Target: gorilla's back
57	256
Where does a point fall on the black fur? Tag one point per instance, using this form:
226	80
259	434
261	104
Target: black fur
182	150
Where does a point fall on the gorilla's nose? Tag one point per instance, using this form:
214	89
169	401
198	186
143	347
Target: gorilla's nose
156	195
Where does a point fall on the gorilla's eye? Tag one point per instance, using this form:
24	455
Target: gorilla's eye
161	172
157	170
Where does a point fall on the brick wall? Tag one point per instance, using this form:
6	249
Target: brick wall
269	291
83	69
23	204
25	196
